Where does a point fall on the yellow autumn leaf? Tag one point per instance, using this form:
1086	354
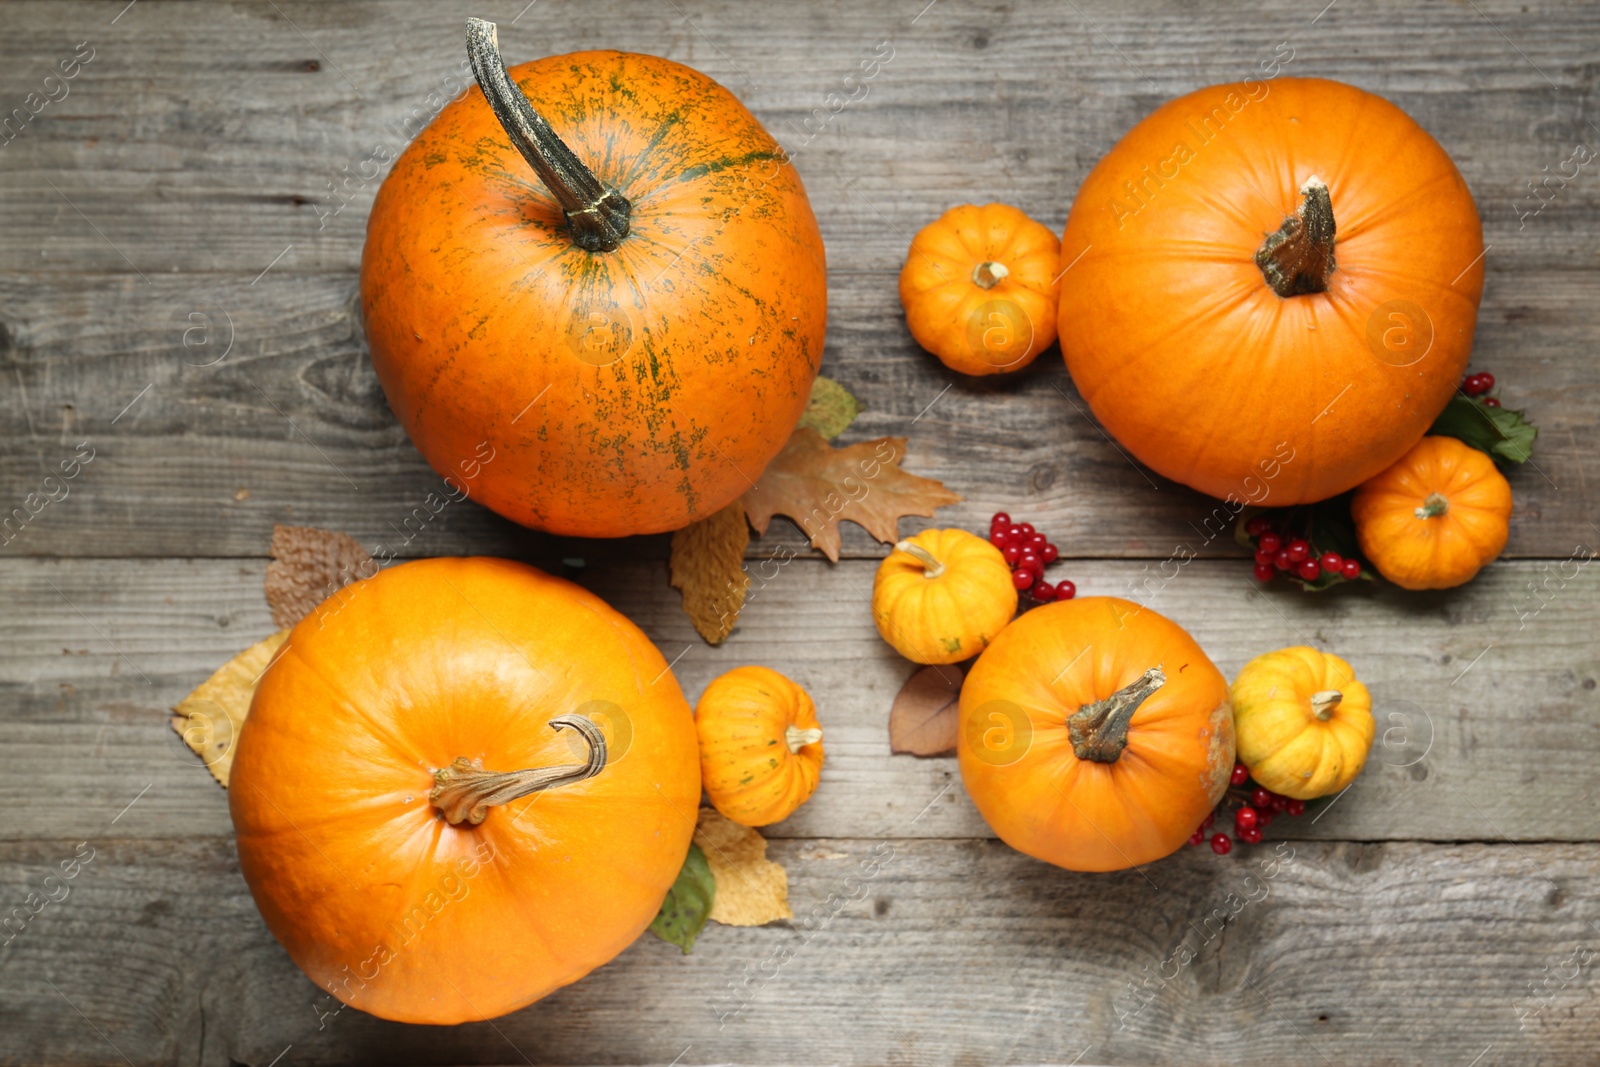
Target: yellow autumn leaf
751	889
209	719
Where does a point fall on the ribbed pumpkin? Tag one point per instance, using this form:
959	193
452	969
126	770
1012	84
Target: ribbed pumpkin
633	325
760	745
1436	517
941	596
462	784
1095	734
1272	288
1302	720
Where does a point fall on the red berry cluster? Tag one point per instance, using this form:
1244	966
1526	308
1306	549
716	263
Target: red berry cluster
1479	384
1255	812
1277	551
1027	552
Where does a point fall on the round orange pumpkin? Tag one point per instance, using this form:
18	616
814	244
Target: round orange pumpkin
941	596
462	784
630	328
1273	288
979	288
1436	517
760	745
1095	734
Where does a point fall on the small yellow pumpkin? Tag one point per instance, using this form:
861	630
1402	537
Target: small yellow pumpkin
760	745
1302	721
942	596
1436	517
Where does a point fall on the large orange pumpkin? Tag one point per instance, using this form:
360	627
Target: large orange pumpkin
462	784
1270	288
1095	734
633	341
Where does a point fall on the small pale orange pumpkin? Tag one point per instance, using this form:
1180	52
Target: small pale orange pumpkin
941	596
979	288
1436	517
760	745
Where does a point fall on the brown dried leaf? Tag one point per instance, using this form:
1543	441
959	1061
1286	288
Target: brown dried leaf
708	565
924	720
818	486
209	719
308	566
751	889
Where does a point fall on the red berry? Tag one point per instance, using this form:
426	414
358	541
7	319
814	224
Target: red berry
1198	837
1221	844
1037	541
1308	569
1295	807
998	539
1043	592
1021	579
1000	519
1211	821
1332	562
1490	401
1028	560
1279	801
1065	590
1351	569
1049	552
1264	820
1251	836
1280	559
1245	818
1241	774
1299	549
1270	542
1015	533
1265	571
1012	553
1487	379
1472	385
1027	528
1260	798
1263	556
1257	526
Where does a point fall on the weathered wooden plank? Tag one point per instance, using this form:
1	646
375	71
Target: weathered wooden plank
1486	697
901	952
220	405
191	152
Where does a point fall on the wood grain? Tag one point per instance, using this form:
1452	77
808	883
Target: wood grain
1487	717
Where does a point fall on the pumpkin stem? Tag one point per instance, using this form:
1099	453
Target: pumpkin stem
597	215
1099	731
1323	703
798	738
1298	257
464	791
1435	505
931	567
987	275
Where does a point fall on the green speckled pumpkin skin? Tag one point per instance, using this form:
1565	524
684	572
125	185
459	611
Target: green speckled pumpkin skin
598	394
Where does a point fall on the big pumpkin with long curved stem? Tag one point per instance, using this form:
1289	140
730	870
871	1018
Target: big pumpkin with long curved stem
1270	288
620	287
465	785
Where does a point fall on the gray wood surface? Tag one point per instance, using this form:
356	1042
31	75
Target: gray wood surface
1445	910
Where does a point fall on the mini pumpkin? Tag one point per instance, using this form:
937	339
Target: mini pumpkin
1303	722
760	745
1436	517
941	596
1095	734
979	288
462	784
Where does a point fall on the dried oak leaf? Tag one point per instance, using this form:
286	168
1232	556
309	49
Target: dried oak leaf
751	889
707	564
308	566
818	486
924	720
209	719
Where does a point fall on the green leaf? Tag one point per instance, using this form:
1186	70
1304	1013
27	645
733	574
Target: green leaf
683	914
831	408
1502	433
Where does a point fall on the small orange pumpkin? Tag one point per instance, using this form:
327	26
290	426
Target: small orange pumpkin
1095	734
1436	517
941	596
979	288
631	343
383	789
760	745
1302	720
1304	363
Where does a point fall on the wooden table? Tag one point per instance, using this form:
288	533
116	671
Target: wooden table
177	284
